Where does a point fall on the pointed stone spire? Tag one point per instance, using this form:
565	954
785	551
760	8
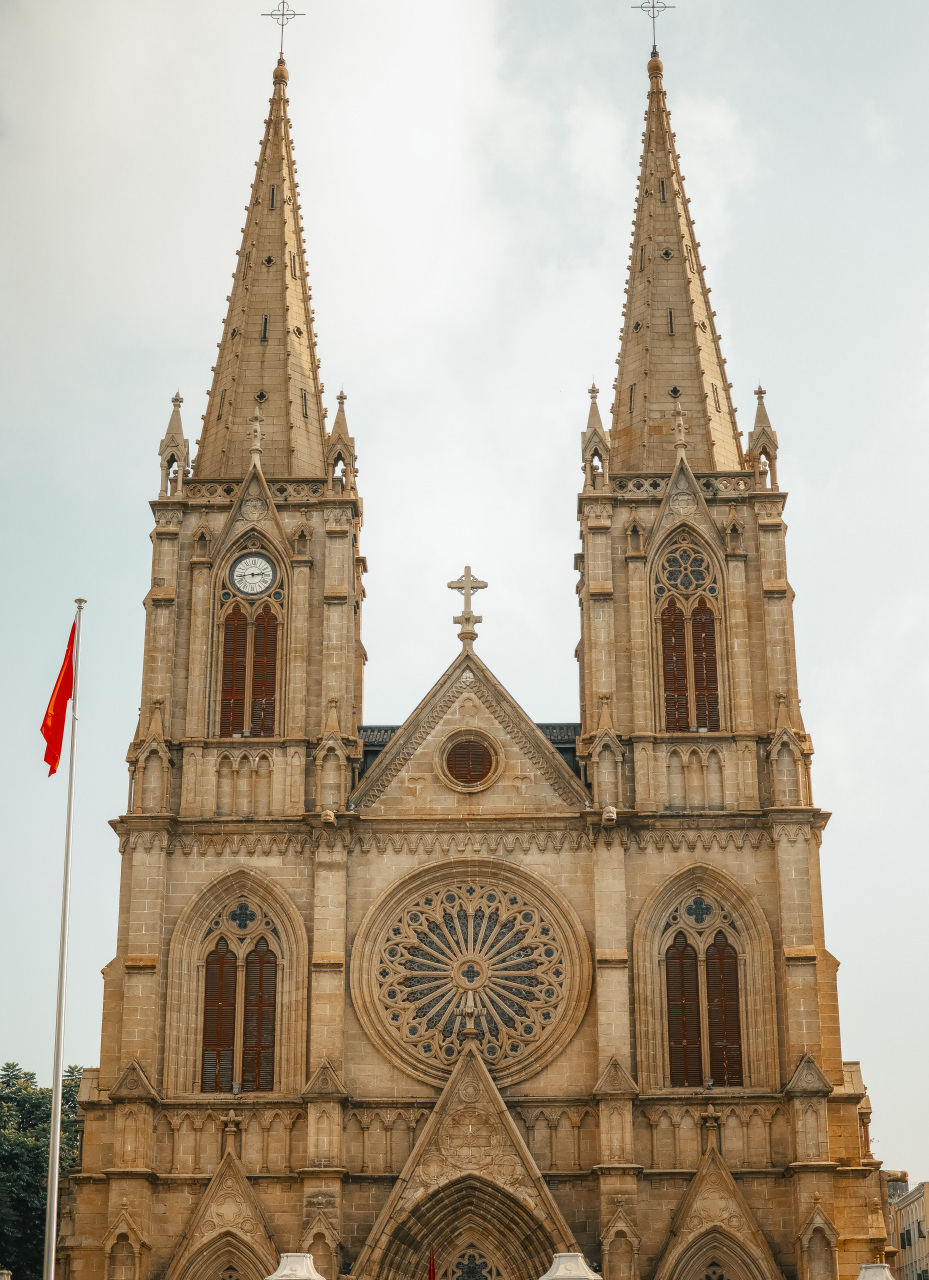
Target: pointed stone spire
173	450
669	351
267	356
593	417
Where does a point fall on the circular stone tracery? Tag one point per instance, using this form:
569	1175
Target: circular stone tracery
479	952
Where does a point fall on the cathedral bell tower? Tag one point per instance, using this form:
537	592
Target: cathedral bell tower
694	748
247	741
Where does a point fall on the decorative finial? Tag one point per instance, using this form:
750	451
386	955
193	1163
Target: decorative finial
654	9
255	435
680	431
341	397
760	392
282	14
593	390
177	399
467	620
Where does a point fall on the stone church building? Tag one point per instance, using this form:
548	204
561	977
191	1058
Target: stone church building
473	984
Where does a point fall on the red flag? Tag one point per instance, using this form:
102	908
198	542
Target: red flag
431	1264
53	726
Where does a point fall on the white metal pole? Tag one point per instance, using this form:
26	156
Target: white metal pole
51	1204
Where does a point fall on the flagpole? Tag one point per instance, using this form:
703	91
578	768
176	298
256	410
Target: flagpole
51	1204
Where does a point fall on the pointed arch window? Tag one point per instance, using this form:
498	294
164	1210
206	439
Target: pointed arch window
232	698
240	1019
685	1054
259	1022
703	1006
705	676
685	588
674	668
722	1009
219	1006
250	644
264	673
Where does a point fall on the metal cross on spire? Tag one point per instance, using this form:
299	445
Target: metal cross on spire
654	9
467	585
282	14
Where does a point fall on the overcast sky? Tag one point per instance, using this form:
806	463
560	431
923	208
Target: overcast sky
467	172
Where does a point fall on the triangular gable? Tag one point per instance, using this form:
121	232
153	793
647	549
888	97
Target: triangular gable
817	1221
470	1132
134	1084
468	697
253	509
229	1209
684	501
615	1082
125	1225
325	1083
808	1081
714	1206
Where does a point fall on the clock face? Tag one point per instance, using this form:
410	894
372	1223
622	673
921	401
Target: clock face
253	574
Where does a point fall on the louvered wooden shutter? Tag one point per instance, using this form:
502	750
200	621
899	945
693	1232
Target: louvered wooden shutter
469	762
674	668
232	700
686	1062
218	1020
264	673
706	683
258	1030
722	999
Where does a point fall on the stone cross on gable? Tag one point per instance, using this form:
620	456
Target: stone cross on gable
467	584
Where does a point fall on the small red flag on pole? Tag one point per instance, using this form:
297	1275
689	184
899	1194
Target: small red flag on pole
53	726
431	1264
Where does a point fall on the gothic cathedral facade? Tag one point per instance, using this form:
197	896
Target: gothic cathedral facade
471	985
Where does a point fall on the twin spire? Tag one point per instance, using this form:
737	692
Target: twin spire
267	357
669	358
670	363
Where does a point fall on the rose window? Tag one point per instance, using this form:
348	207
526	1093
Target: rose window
472	954
685	569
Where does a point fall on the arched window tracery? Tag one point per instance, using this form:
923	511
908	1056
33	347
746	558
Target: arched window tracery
704	1022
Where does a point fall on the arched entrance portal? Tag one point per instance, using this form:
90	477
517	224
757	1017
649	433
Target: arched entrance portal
717	1255
227	1256
477	1230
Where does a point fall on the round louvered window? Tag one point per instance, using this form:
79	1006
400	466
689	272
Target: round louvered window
469	762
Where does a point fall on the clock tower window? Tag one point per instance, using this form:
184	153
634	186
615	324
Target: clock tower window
249	651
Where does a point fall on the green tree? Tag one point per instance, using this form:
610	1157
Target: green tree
25	1124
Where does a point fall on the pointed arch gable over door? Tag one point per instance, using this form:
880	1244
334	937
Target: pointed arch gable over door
465	1210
